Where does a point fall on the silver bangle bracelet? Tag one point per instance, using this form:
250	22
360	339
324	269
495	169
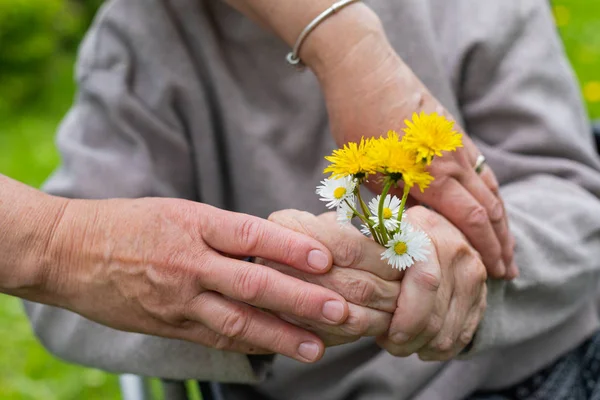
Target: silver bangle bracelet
293	57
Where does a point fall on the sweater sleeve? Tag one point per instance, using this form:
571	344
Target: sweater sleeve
123	138
521	103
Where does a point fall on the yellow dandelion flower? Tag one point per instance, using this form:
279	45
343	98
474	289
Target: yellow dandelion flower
351	160
562	15
381	149
429	135
417	176
402	165
391	157
591	91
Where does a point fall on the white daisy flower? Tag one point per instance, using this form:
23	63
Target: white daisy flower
344	212
364	229
406	247
335	191
391	208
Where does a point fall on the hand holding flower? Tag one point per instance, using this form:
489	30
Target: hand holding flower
399	162
359	275
384	93
442	299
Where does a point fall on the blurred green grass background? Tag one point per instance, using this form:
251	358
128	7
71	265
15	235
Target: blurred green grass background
33	100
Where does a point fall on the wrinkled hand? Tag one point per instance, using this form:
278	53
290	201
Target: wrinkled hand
173	268
383	93
443	299
369	284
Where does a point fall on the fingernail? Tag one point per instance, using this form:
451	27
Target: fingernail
500	268
318	260
333	310
400	338
309	351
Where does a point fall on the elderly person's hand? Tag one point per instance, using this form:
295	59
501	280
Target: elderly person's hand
369	90
437	305
443	299
384	92
369	284
166	267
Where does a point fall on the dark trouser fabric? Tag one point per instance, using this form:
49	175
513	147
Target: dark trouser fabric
575	376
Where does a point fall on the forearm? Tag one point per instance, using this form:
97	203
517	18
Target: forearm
28	219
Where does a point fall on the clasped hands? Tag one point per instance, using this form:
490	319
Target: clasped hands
176	269
432	309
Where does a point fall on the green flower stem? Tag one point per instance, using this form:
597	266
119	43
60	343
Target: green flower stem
403	203
362	203
359	215
366	221
382	229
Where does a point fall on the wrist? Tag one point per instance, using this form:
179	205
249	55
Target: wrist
66	250
343	33
29	219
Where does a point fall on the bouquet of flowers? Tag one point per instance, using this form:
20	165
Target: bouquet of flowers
398	163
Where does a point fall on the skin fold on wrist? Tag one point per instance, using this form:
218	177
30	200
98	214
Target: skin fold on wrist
339	36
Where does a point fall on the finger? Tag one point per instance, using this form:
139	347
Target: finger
472	323
417	300
362	321
264	287
469	282
443	346
349	248
484	187
405	345
245	235
197	333
240	322
448	197
508	252
357	287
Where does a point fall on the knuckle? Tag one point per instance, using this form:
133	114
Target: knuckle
221	342
235	324
428	280
475	271
399	351
250	284
349	252
492	182
250	235
278	215
496	211
434	325
427	219
483	304
466	337
477	217
442	345
361	291
356	325
301	301
289	249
